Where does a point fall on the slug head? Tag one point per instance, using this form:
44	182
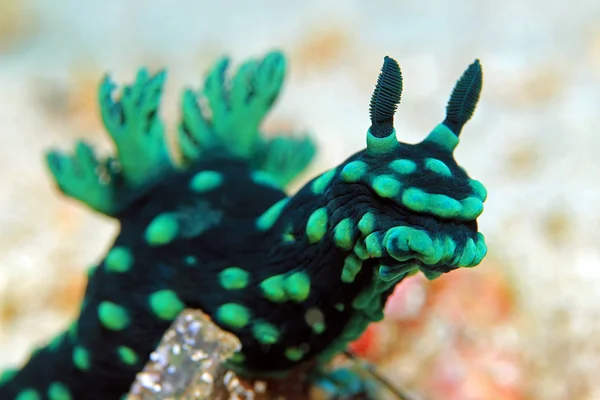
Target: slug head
418	208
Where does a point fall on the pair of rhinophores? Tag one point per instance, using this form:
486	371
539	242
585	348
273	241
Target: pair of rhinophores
296	278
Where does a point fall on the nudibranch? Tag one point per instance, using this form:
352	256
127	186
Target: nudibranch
296	278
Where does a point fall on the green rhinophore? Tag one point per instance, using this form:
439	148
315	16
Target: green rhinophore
354	171
119	259
437	166
113	316
322	182
206	181
377	146
29	394
403	167
59	391
273	289
265	332
162	230
297	286
269	217
316	227
343	234
234	278
443	137
233	315
81	358
165	304
127	355
386	186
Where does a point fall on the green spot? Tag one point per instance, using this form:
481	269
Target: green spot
59	391
382	145
354	171
28	394
265	178
443	137
205	181
113	316
119	259
233	315
316	225
7	375
190	260
294	353
162	230
273	289
81	358
366	225
315	319
127	355
322	182
265	333
443	206
481	247
469	254
268	219
415	199
437	166
340	307
73	330
352	266
361	251
478	189
403	167
237	358
373	245
56	342
472	208
233	278
297	286
343	233
165	304
386	186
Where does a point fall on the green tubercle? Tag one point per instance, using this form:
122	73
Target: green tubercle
127	355
165	304
373	245
294	353
472	208
233	315
59	391
265	333
113	316
437	166
266	179
478	189
443	137
28	394
233	278
119	259
322	182
403	167
162	230
352	266
315	319
386	186
354	171
269	217
273	290
442	205
7	375
343	234
316	226
297	286
380	146
206	181
366	225
81	358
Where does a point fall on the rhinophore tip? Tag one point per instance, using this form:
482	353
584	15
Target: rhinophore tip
385	98
464	98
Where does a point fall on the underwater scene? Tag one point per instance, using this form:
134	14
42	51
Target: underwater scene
321	200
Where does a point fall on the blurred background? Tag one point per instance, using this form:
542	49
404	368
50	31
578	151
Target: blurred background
525	324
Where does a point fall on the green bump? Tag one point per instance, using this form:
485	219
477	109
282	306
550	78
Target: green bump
265	333
317	225
361	251
340	307
273	289
443	137
233	315
469	254
366	225
342	234
481	247
59	391
373	245
205	181
113	316
472	208
28	394
437	166
352	266
162	230
119	259
81	358
234	278
403	167
384	145
127	355
294	353
165	304
322	182
7	375
415	199
297	286
269	217
354	171
478	189
266	179
386	186
443	206
315	319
